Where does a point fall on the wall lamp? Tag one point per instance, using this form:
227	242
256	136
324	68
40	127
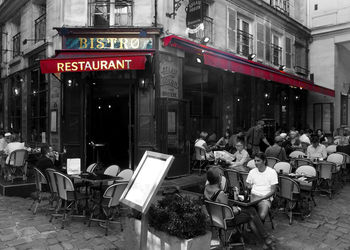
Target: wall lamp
205	40
30	39
144	82
251	56
282	67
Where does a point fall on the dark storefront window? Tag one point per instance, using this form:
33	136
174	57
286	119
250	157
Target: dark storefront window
323	117
110	13
15	97
344	109
1	106
38	101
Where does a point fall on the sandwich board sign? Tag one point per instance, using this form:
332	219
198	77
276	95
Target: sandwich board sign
146	180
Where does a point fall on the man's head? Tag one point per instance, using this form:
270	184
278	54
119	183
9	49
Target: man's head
260	123
8	137
203	135
293	134
278	140
214	176
260	161
315	140
239	146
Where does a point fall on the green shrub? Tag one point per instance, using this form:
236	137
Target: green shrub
179	216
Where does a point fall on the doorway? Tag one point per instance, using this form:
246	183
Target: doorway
111	105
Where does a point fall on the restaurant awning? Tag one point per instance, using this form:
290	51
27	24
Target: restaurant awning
78	61
228	61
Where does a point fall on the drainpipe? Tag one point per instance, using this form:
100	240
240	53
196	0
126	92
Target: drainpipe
155	13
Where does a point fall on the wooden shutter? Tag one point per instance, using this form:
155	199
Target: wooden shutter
288	52
231	28
267	42
260	41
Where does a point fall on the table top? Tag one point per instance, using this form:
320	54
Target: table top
95	177
245	203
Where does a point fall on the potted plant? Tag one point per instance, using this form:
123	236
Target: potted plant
176	223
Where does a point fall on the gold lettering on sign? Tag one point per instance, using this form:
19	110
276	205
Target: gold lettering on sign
60	67
91	43
128	63
135	43
104	65
74	66
111	65
111	41
94	65
100	44
120	64
82	43
123	43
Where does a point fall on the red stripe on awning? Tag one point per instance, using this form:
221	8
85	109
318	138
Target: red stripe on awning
228	61
78	61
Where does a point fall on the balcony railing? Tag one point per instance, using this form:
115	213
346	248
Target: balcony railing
207	32
301	71
282	7
40	28
244	43
16	45
276	52
110	13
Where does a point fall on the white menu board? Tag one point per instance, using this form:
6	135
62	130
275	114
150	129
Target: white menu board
146	180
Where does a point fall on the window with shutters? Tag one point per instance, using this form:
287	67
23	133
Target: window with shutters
301	66
267	43
288	52
260	41
276	50
208	26
231	29
244	38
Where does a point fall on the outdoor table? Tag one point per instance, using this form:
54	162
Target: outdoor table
246	203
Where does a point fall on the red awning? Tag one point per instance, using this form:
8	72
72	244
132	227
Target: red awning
228	61
78	61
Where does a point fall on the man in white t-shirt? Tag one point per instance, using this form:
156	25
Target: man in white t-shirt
263	181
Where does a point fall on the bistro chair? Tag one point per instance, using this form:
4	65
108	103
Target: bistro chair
283	167
301	162
200	159
54	193
331	149
297	154
340	161
69	196
39	194
16	165
110	202
271	161
346	166
307	186
126	174
222	218
289	194
251	164
91	168
327	172
233	180
112	170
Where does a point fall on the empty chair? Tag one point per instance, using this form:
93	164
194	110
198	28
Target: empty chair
331	149
91	167
39	195
271	161
126	174
338	159
54	192
301	162
112	170
327	172
305	185
16	166
221	218
111	198
297	154
283	167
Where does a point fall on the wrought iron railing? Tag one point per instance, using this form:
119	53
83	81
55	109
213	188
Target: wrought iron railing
276	54
40	28
111	13
16	45
207	32
282	7
301	71
244	43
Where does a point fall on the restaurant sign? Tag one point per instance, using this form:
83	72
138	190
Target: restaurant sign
99	43
194	12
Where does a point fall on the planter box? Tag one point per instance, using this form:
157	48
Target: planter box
157	240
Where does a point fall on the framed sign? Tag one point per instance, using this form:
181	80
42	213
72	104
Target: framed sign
53	121
146	180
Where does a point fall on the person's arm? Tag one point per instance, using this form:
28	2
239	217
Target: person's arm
222	198
266	141
273	190
244	158
220	142
324	152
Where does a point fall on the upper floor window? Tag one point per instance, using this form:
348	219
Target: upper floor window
110	13
40	28
244	38
276	50
207	23
288	52
16	45
281	5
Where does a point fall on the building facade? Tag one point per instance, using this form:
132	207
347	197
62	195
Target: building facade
329	58
112	79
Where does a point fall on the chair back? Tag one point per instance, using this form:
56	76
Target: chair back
288	187
271	161
232	177
126	174
302	162
331	149
64	185
18	157
91	167
39	179
112	170
326	169
52	180
336	158
251	164
199	153
306	170
114	192
296	154
219	213
285	167
346	157
244	176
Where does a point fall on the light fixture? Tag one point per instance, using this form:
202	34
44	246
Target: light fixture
142	83
251	56
205	40
296	97
238	100
282	67
16	91
31	39
109	106
198	60
266	95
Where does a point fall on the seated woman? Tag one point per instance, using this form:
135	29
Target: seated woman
249	215
321	135
224	142
201	143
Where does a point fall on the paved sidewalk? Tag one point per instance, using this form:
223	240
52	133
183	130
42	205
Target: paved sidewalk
327	228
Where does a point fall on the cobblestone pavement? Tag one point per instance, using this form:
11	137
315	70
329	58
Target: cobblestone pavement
327	228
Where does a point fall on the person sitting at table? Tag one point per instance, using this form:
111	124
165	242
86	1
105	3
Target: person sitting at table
292	142
323	138
276	150
223	142
12	146
305	142
316	150
44	161
213	192
200	142
262	181
241	156
3	142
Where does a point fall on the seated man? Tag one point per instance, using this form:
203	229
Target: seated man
276	150
12	146
241	156
263	181
213	192
316	150
200	142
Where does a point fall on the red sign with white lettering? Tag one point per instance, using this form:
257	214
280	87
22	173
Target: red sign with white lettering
60	65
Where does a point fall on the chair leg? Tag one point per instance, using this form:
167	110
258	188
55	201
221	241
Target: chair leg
271	217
